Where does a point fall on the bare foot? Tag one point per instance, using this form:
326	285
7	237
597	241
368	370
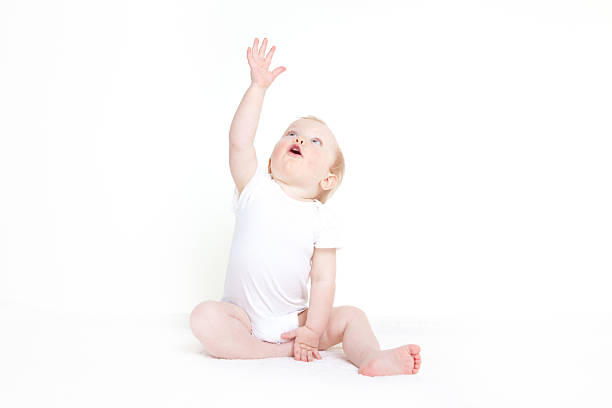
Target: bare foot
401	360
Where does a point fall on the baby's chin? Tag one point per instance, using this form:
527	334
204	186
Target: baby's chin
297	179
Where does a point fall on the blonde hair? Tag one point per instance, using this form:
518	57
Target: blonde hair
337	167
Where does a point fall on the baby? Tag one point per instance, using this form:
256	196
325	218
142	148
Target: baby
284	235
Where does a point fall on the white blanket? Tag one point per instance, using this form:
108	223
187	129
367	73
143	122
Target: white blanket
68	360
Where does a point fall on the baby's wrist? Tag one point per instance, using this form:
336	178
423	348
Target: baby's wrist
257	86
317	332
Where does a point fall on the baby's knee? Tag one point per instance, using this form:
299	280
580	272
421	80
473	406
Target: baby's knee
203	315
352	311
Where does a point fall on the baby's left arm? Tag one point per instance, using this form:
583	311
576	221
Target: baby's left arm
322	288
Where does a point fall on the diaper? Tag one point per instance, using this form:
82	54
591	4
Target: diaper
271	327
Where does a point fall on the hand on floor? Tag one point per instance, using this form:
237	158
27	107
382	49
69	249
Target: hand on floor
305	346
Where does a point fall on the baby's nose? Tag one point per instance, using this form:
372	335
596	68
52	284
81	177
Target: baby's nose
299	140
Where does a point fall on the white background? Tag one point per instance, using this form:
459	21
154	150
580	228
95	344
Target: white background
475	205
477	138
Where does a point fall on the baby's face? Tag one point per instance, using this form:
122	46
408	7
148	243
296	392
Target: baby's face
317	151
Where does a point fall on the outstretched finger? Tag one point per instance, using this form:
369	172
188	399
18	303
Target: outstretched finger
250	56
318	355
277	71
270	54
255	45
262	50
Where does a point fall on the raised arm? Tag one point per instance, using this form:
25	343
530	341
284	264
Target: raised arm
242	157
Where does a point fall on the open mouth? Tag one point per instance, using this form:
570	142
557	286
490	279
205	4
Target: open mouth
295	150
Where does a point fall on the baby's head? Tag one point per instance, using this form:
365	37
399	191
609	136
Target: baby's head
318	168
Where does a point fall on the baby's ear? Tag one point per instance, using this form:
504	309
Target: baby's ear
329	182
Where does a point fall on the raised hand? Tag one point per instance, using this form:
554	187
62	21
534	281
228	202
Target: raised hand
306	344
259	63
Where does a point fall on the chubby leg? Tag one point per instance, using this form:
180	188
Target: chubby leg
350	326
225	331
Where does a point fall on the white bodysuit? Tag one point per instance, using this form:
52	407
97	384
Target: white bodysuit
271	252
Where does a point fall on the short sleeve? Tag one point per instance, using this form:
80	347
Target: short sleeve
329	232
240	202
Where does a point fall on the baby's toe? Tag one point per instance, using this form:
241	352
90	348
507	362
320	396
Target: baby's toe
414	349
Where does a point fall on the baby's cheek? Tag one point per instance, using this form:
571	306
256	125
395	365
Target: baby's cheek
315	160
314	164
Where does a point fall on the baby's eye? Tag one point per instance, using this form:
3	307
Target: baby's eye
317	140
